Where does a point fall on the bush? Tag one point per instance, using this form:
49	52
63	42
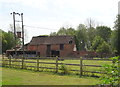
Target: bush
111	76
65	69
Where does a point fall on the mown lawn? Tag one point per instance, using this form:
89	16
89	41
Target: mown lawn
11	76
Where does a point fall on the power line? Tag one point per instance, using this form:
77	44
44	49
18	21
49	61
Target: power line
39	27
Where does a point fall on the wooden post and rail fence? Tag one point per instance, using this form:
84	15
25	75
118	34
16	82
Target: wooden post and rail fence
38	60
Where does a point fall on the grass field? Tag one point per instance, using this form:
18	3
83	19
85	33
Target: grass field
11	76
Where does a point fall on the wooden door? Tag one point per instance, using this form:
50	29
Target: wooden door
48	50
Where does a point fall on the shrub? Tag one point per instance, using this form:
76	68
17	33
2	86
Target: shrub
64	69
111	76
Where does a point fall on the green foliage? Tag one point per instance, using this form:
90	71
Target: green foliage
114	40
116	35
77	43
91	33
64	69
43	35
104	32
71	31
103	48
65	31
53	34
96	42
62	31
8	40
116	26
81	36
100	46
111	76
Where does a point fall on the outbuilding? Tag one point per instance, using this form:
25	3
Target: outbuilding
51	46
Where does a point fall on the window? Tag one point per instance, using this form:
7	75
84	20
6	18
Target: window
70	42
61	46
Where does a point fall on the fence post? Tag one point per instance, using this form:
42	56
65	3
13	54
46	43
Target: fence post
10	61
22	62
37	63
81	66
56	64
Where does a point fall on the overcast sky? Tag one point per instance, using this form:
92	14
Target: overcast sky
49	15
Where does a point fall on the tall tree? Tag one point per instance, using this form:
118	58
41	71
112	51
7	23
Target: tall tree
91	33
81	37
7	40
104	47
90	23
117	35
114	40
62	31
70	31
96	42
104	32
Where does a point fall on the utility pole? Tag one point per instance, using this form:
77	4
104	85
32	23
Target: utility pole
22	34
15	31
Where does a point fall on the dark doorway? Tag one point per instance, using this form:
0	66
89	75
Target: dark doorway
61	46
48	50
38	54
55	53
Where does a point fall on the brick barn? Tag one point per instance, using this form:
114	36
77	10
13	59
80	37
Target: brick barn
51	46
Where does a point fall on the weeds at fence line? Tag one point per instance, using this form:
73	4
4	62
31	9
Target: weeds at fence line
64	69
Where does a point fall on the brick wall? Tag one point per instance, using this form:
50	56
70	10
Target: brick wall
87	54
31	47
42	49
67	51
55	47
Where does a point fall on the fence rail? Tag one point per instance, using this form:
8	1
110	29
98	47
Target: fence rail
37	61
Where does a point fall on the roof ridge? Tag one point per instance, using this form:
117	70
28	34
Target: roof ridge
54	36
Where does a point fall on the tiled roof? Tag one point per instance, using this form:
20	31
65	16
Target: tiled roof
52	40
